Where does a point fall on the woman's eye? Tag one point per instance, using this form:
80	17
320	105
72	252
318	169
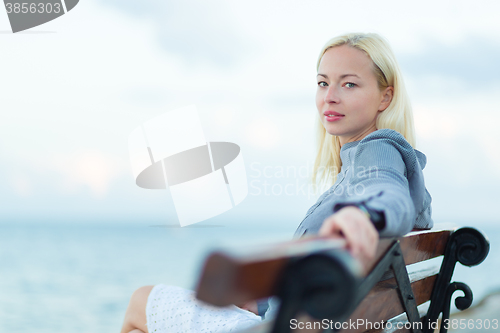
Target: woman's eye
322	84
350	85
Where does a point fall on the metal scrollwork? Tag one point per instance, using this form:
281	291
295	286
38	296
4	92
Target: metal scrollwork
469	247
462	302
472	246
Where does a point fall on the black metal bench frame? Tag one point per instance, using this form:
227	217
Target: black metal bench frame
320	281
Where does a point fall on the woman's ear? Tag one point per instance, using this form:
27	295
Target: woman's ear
387	94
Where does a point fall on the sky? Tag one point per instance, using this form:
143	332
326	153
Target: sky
73	89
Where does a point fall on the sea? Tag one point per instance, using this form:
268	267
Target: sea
78	277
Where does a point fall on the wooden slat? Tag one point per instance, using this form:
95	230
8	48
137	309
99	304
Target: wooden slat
416	247
226	280
382	303
423	245
234	279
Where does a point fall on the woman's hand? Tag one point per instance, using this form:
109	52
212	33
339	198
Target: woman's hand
352	224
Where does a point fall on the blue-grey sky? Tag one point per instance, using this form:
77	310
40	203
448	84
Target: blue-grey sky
71	97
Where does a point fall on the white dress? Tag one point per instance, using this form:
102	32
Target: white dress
172	309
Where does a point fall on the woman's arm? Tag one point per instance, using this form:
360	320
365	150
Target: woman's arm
382	166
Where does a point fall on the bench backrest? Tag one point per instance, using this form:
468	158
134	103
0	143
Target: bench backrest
383	300
230	278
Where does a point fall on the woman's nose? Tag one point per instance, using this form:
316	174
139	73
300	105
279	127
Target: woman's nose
332	95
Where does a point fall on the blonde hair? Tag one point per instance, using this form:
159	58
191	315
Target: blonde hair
397	116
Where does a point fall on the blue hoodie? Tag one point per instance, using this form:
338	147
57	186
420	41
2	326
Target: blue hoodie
385	173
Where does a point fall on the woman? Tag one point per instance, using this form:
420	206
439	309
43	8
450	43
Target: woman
366	140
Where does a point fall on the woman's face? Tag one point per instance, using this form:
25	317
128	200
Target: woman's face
348	97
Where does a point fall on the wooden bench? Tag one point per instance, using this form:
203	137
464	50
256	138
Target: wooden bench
323	289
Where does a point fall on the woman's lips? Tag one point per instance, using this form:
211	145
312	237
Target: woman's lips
332	115
333	118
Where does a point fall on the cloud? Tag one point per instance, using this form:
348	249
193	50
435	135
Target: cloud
90	169
196	31
21	184
263	133
469	64
459	134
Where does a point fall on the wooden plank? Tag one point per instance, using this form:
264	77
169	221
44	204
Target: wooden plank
240	277
420	246
225	280
382	303
423	245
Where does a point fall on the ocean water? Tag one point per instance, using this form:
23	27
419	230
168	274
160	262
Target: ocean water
79	277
